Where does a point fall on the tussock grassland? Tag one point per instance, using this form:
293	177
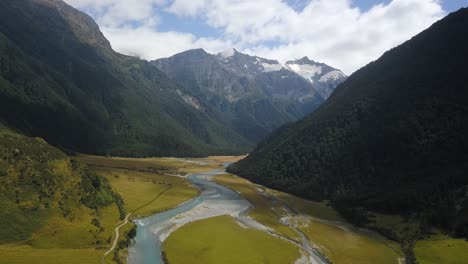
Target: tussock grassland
441	249
159	165
338	241
223	240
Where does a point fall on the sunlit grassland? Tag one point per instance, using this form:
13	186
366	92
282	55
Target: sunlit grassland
338	241
344	244
226	158
159	165
79	232
441	249
264	211
222	240
62	241
21	254
145	193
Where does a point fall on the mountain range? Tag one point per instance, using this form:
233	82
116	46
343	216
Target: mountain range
61	80
391	139
252	95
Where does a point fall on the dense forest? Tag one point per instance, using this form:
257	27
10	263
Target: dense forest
391	139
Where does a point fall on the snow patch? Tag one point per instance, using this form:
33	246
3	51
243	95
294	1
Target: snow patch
333	75
307	71
272	67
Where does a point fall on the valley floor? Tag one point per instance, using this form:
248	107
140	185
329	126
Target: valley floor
153	185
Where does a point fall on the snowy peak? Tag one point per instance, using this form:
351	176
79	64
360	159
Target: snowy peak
315	71
228	53
302	61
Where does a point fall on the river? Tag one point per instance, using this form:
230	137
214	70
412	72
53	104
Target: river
214	200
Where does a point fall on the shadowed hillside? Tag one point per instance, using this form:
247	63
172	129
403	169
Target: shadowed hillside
391	139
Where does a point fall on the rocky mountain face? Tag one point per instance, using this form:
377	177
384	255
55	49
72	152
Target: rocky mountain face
61	80
252	95
391	139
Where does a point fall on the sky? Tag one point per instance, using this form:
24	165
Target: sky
346	34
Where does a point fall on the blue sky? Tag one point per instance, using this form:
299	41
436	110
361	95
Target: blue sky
346	34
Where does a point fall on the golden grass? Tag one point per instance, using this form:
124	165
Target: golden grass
59	232
62	241
226	158
341	245
159	165
344	245
441	249
145	193
316	209
222	240
19	254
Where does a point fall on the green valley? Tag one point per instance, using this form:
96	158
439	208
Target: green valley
128	137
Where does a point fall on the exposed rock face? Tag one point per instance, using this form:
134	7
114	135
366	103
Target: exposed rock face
251	94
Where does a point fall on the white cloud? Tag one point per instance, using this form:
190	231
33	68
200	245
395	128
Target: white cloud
120	12
334	32
146	43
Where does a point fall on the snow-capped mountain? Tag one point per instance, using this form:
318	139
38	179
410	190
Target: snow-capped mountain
254	95
323	77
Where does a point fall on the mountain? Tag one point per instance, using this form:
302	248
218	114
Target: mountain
323	77
251	95
391	139
61	80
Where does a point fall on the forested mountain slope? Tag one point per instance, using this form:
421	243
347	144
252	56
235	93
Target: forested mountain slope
390	139
61	80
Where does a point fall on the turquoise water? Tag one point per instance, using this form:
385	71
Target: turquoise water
147	247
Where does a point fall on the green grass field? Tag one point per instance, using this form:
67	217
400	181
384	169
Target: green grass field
441	249
159	165
345	245
222	240
341	245
22	254
145	193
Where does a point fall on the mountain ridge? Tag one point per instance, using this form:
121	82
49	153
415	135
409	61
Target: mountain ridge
253	95
61	80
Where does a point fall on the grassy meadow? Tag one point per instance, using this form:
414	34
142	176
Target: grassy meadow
145	193
25	254
158	165
223	240
318	221
347	245
441	249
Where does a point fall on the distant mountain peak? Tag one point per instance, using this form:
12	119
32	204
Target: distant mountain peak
228	53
